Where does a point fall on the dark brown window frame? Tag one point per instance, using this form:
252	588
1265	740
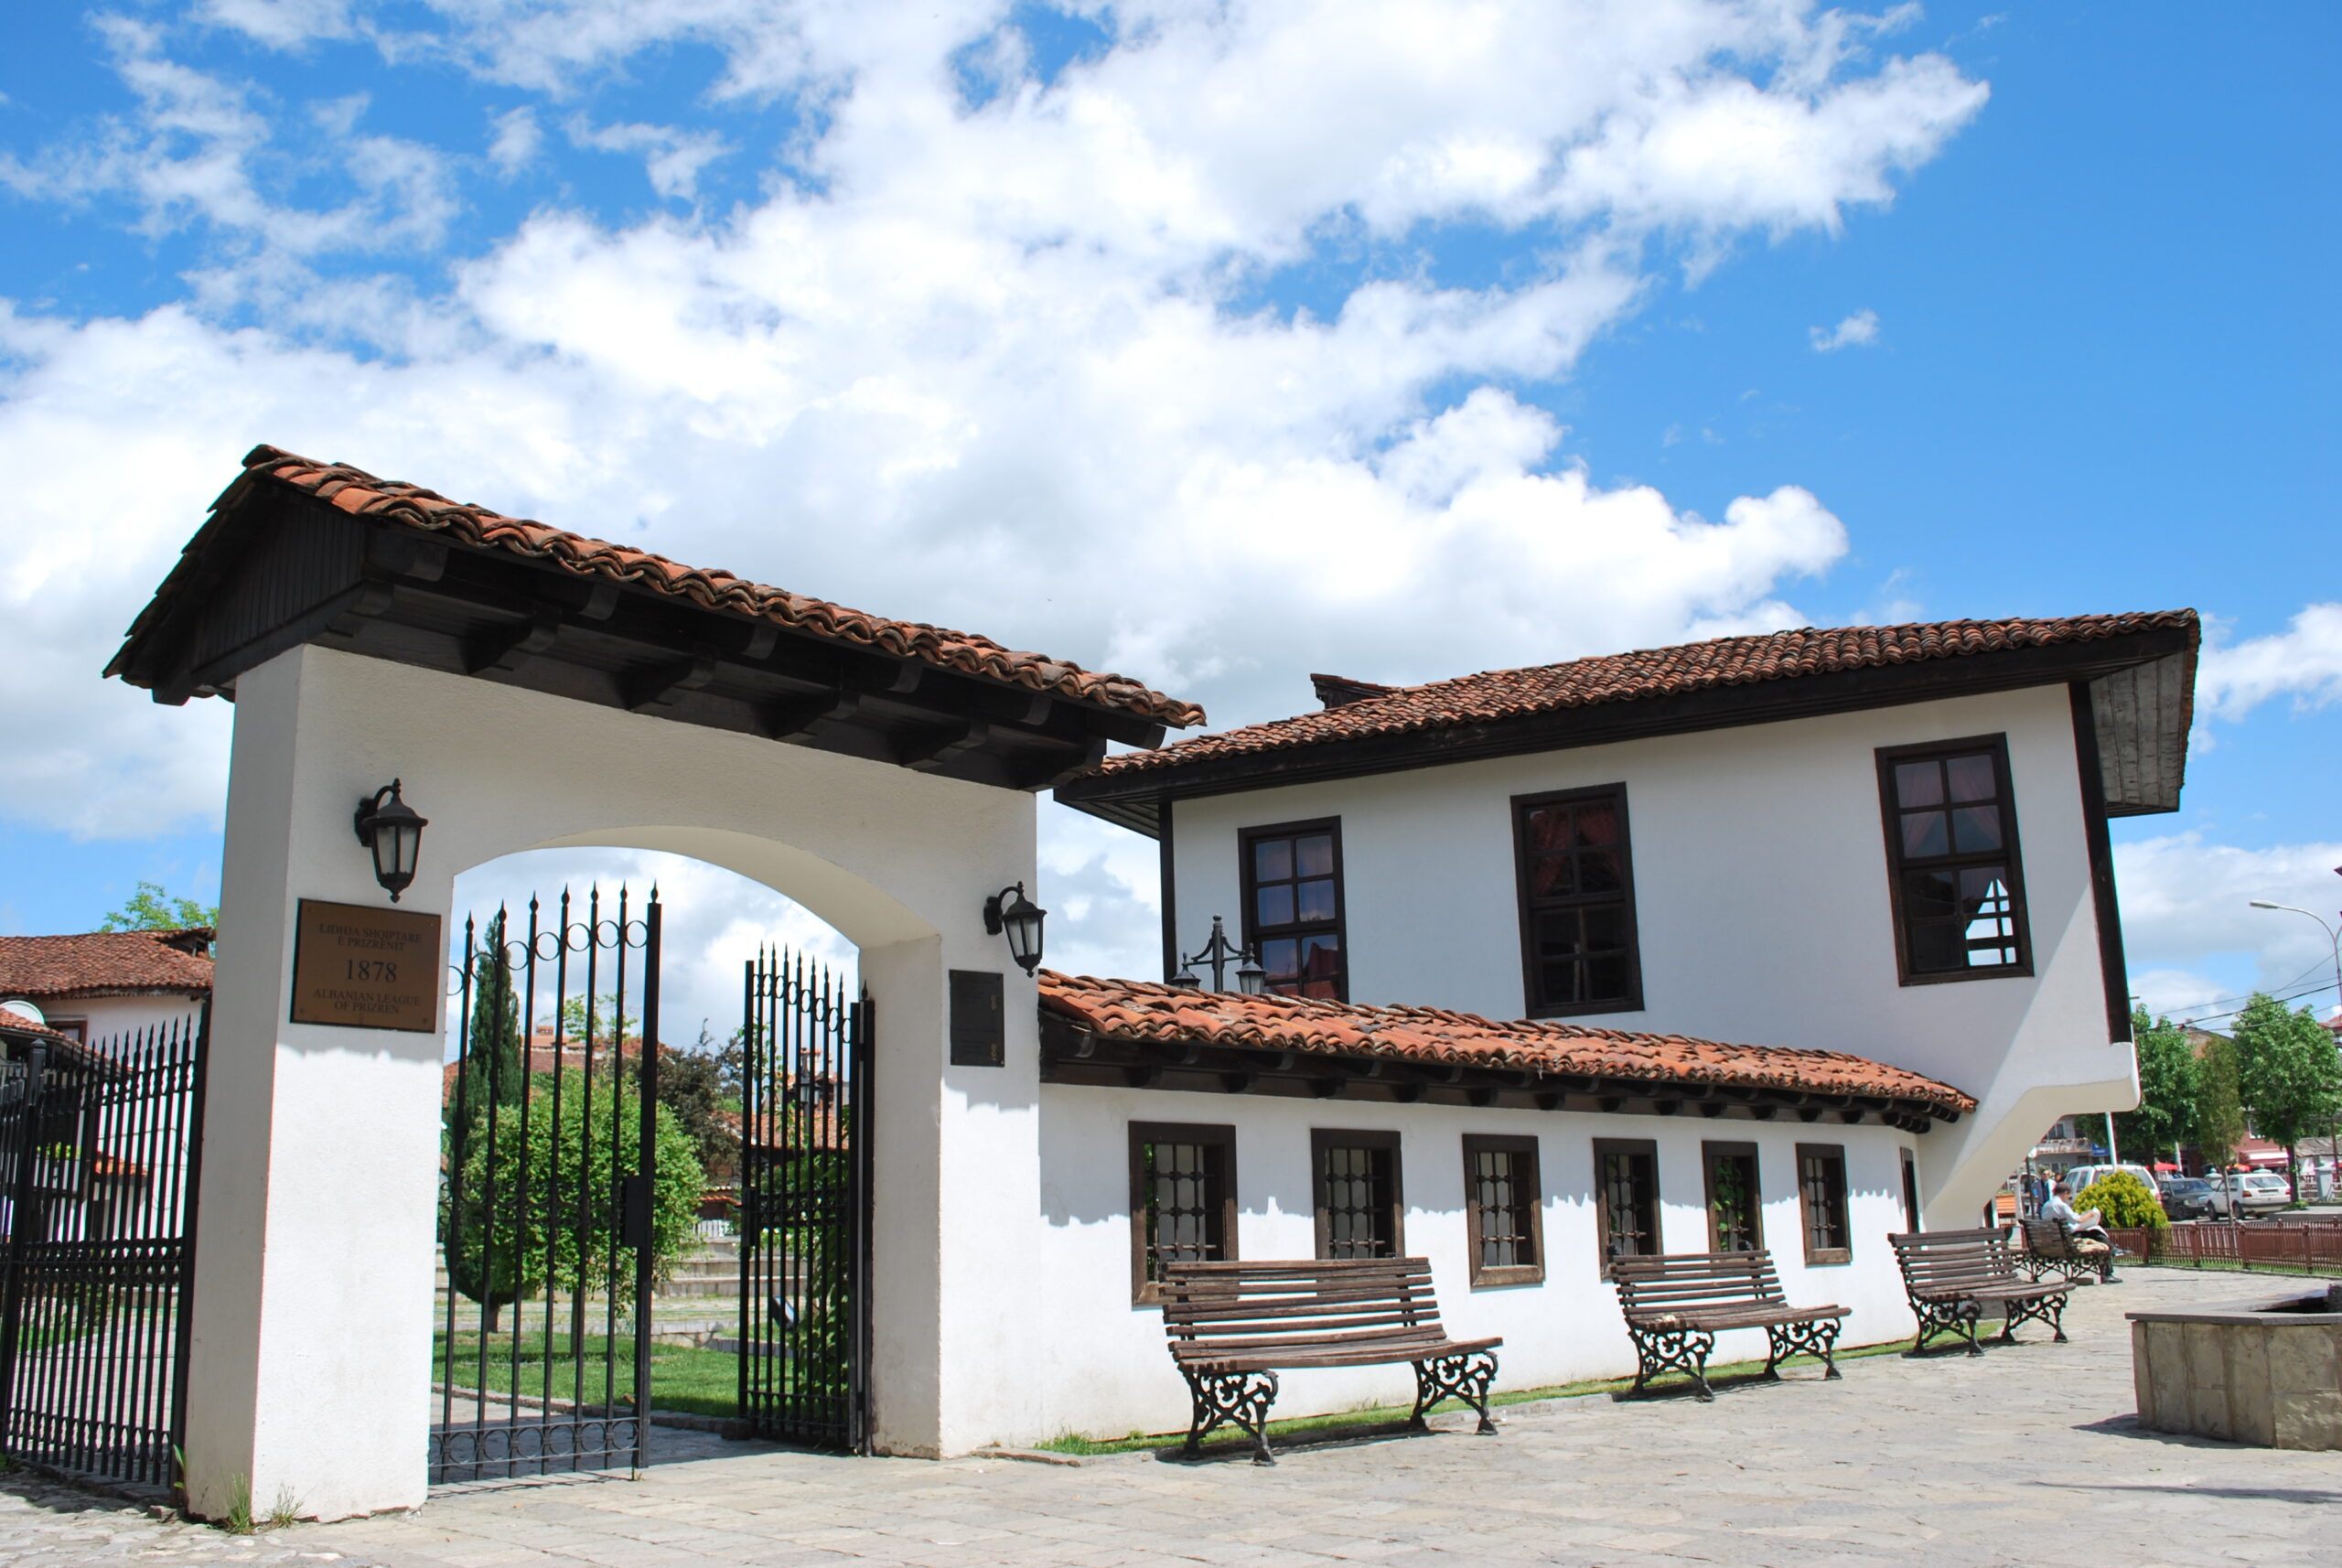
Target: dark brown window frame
1521	805
1324	1138
1216	1135
1710	1153
1604	1147
1520	1145
1247	882
1824	1257
1889	810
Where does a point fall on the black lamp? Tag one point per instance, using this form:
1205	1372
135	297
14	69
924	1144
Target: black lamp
389	826
1010	912
1252	980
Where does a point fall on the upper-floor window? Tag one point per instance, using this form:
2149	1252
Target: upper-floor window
1577	902
1293	906
1951	851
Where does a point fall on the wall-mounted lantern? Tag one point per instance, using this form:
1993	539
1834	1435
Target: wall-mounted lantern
1251	977
1008	912
389	826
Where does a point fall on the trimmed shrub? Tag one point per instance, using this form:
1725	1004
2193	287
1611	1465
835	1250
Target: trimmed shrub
2124	1200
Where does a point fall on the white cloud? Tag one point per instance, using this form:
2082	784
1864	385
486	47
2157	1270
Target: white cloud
2186	901
2306	661
980	365
1859	330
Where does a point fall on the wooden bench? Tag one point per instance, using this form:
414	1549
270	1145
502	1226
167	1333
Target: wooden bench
2051	1246
1951	1274
1234	1326
1677	1303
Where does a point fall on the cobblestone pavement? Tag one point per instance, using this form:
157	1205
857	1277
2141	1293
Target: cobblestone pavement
2028	1455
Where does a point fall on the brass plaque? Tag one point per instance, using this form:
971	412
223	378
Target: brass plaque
367	969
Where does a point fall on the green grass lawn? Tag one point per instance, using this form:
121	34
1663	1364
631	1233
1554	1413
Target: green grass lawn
697	1382
1229	1440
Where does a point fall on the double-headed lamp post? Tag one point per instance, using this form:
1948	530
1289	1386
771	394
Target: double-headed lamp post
1251	977
2334	937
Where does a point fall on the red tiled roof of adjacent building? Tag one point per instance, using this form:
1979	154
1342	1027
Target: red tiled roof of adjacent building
355	491
105	963
1363	711
1138	1012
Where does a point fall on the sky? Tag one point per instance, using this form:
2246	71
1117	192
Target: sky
1214	344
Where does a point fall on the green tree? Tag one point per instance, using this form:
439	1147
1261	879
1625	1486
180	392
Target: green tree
608	1022
488	1087
539	1193
2169	1088
2219	1104
2122	1199
690	1085
152	909
2287	1072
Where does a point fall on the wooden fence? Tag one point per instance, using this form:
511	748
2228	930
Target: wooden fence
2300	1245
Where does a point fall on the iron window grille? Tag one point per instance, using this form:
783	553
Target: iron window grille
1735	1202
1183	1199
1626	1199
1358	1196
1578	949
1821	1195
1957	885
1293	906
1504	1210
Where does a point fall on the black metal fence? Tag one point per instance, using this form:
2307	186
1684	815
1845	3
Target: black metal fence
548	1157
804	1205
99	1155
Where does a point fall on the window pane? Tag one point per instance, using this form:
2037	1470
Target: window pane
1272	860
1320	990
1605	980
1317	900
1273	904
1597	823
1975	828
1924	834
1972	777
1559	933
1281	958
1321	955
1605	927
1927	895
1314	857
1919	784
1935	945
1598	871
1553	877
1548	828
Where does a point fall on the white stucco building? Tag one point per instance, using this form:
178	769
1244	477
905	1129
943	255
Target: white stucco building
1714	841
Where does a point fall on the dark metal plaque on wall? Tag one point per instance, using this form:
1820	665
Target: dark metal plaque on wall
979	1025
365	968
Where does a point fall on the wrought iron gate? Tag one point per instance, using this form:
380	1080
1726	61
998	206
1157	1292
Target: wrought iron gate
99	1150
548	1158
805	1205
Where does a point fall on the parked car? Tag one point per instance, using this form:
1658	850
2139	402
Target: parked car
2187	1198
2256	1192
2081	1177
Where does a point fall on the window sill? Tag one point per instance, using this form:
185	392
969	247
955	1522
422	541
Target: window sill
1834	1258
1955	976
1588	1009
1516	1274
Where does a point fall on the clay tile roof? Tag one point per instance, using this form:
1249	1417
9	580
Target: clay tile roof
1362	711
100	963
16	1028
359	493
1136	1011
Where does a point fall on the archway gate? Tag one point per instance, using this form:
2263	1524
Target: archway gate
543	1355
805	1219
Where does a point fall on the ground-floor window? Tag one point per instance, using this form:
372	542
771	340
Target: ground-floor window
1357	1175
1503	1209
1183	1199
1821	1193
1911	1191
1736	1209
1625	1198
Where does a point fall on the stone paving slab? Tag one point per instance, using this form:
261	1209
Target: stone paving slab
2026	1455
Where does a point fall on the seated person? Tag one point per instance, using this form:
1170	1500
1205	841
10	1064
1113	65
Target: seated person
2089	1227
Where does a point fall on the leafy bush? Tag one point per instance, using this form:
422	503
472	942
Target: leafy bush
2122	1199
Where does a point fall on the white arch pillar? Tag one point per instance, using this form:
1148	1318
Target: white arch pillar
311	1361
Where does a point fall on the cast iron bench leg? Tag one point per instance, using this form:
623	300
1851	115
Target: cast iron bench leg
1816	1338
1465	1377
1658	1350
1242	1397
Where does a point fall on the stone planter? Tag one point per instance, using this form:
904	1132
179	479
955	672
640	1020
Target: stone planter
2266	1372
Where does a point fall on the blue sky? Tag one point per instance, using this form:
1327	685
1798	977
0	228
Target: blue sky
1565	339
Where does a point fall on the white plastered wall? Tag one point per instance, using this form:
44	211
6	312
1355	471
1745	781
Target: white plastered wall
311	1363
1761	902
105	1018
1111	1374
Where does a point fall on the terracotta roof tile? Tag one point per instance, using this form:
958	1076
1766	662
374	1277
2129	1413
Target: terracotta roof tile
1500	694
355	491
1136	1011
101	963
